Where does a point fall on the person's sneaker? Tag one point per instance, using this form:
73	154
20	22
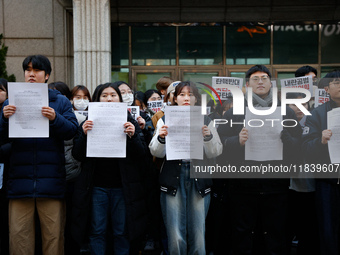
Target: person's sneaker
295	241
150	245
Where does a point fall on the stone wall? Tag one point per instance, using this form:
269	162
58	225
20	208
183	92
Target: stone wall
38	27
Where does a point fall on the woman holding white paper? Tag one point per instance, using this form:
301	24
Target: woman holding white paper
185	201
110	187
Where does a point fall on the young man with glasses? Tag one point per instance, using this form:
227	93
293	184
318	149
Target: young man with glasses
258	206
316	135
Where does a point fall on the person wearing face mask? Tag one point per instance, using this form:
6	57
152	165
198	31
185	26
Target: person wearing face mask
144	121
80	100
167	100
151	95
145	124
73	169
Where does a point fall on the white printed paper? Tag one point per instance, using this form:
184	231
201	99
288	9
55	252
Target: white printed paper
185	138
224	93
134	110
1	175
305	82
107	138
333	123
264	142
28	98
321	97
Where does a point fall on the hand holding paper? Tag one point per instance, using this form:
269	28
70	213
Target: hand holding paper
206	131
129	129
326	136
88	125
9	110
48	112
243	136
163	132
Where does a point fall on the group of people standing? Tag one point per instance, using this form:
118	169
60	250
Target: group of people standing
111	203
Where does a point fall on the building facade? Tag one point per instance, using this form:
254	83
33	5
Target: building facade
95	41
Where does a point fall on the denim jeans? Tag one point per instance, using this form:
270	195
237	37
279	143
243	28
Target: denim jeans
327	198
184	216
108	203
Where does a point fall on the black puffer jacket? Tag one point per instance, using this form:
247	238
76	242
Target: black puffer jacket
132	173
37	165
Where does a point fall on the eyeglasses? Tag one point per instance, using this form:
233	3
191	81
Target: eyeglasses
257	79
124	92
155	98
335	83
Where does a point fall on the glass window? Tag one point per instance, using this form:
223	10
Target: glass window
120	45
120	74
200	45
199	77
147	81
326	69
295	44
248	45
330	41
153	46
238	74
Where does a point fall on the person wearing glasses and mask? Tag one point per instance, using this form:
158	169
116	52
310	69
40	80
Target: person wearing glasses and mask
258	206
151	95
144	121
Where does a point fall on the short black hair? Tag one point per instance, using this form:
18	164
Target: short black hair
294	95
140	97
118	83
4	82
62	88
38	62
149	93
331	76
101	87
302	71
258	68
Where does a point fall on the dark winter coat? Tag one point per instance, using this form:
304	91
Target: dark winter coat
132	173
234	154
37	165
314	151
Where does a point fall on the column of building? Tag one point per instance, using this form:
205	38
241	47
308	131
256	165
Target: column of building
92	42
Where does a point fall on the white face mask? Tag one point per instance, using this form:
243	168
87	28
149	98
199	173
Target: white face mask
128	98
81	104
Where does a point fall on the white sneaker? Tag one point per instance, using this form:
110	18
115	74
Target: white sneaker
150	245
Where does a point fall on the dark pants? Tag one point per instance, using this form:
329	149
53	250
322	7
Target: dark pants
218	233
302	222
327	198
247	211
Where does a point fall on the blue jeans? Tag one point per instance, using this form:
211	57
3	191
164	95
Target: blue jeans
108	203
184	216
